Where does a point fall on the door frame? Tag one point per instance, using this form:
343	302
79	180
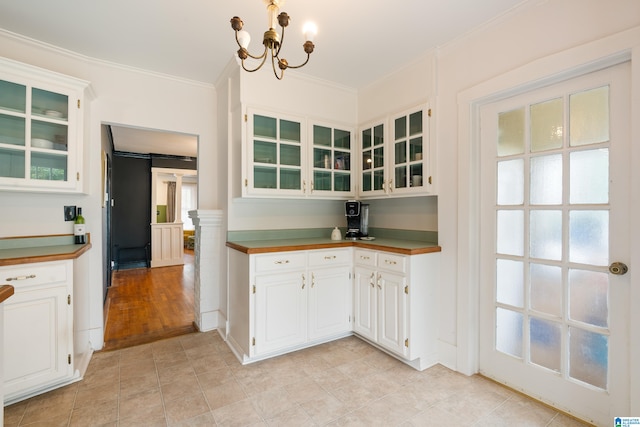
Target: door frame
574	62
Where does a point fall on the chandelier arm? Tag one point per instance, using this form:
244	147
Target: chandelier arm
248	54
264	58
301	65
275	59
281	43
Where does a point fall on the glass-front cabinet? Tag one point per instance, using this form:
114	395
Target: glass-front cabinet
396	159
40	128
331	166
373	175
290	156
275	151
410	152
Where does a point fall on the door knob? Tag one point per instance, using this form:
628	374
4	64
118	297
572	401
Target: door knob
618	268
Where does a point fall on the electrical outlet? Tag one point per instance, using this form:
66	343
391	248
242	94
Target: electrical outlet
69	213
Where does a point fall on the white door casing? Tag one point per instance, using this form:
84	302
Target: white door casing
579	60
545	291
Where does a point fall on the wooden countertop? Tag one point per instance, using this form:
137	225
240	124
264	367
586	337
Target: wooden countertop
29	255
405	247
5	292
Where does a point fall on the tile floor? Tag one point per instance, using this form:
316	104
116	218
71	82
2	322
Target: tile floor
194	380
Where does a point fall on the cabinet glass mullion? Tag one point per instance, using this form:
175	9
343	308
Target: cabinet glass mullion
373	162
34	133
277	156
408	150
331	159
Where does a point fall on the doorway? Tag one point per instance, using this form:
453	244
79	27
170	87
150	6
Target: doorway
554	210
133	153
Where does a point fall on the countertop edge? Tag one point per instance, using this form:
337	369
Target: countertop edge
46	258
335	244
5	292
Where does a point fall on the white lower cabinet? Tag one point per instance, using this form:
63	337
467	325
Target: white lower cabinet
280	311
283	301
394	303
38	328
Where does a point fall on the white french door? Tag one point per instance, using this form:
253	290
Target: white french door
555	221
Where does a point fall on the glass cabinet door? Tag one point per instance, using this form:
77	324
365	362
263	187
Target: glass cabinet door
34	133
373	162
409	151
276	155
331	160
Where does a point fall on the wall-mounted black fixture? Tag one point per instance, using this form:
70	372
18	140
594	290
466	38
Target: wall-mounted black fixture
69	213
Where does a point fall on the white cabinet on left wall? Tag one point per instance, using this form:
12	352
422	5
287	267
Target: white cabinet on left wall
38	328
41	129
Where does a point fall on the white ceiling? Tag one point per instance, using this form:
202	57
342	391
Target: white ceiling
136	140
358	41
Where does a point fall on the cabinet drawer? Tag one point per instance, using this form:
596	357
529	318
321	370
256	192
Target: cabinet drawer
319	258
390	262
280	261
363	257
26	275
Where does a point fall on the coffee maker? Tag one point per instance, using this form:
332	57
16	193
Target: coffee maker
357	220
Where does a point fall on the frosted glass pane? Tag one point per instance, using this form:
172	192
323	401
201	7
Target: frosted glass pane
510	282
545	343
511	182
546	289
546	234
546	180
509	332
546	125
511	132
589	116
589	297
589	176
588	357
510	232
589	237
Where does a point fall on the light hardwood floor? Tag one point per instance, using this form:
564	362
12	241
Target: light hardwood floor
147	304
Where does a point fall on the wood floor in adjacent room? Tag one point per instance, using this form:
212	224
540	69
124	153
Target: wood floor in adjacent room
147	304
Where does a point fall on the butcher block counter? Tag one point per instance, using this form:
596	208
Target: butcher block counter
25	250
403	242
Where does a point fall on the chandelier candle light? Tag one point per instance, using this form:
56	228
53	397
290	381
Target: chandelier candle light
272	41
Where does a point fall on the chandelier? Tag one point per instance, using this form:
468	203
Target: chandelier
272	41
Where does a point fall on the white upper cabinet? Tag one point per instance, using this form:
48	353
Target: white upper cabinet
41	129
275	155
290	156
331	167
396	155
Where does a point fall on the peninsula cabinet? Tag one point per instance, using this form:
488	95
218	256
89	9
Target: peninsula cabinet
283	301
38	328
41	129
396	155
394	303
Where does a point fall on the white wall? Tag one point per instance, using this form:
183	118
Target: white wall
295	95
123	96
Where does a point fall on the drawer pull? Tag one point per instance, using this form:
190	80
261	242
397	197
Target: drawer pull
387	261
31	276
365	257
282	261
330	257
